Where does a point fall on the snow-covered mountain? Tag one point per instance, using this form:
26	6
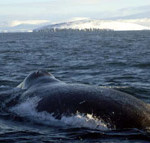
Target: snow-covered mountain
76	24
22	26
19	28
116	25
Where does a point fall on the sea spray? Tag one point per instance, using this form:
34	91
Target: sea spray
28	110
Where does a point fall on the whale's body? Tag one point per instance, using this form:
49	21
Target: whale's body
117	109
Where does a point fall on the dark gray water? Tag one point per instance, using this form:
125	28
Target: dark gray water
113	59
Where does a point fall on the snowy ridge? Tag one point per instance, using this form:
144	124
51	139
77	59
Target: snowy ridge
116	25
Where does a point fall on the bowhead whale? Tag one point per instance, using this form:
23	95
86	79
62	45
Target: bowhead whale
119	110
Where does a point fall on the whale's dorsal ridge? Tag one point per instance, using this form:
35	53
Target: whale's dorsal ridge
33	77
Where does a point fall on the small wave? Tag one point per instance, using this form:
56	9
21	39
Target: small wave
114	87
145	65
4	87
27	109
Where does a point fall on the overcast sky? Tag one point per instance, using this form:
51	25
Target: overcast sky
61	10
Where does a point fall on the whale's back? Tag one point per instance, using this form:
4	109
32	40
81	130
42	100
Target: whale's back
120	109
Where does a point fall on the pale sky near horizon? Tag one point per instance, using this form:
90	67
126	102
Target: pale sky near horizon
55	10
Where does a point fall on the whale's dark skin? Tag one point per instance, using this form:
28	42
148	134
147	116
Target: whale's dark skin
118	109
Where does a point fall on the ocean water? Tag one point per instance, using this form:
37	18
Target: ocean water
110	59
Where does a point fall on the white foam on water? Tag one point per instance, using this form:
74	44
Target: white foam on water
84	120
28	109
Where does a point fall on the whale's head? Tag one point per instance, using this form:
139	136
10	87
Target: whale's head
36	77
